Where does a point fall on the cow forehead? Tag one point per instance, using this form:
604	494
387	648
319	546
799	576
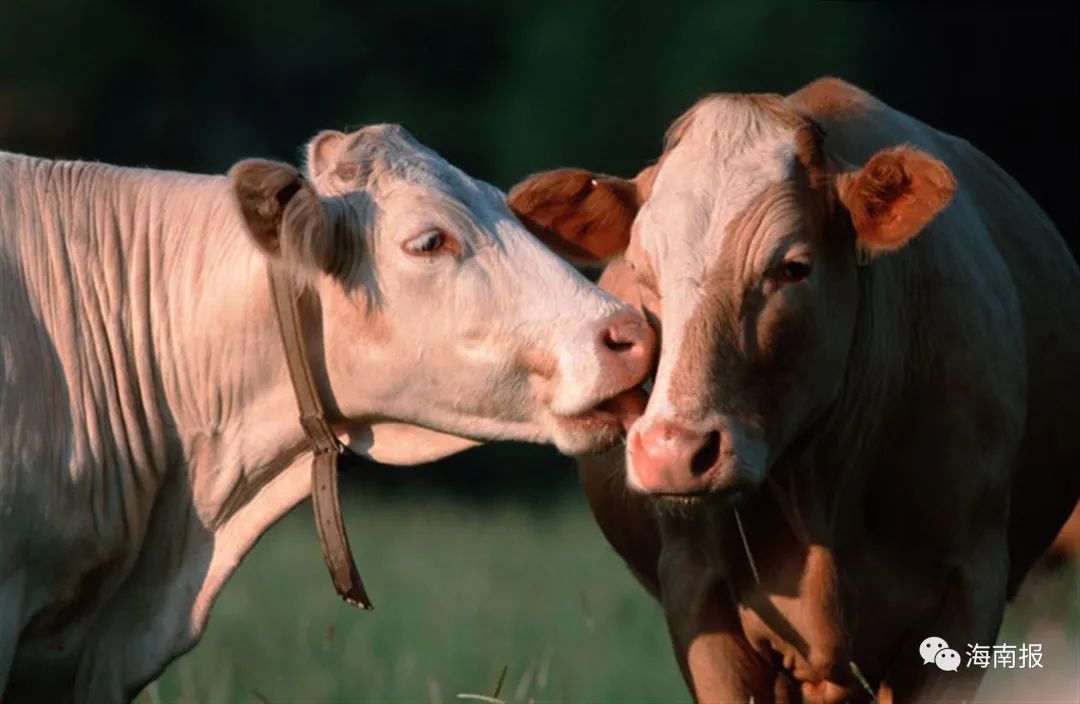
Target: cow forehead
388	154
724	155
406	177
727	151
413	187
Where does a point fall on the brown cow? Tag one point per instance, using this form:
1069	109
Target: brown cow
863	426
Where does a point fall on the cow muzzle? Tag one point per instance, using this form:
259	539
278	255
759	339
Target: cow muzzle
602	408
666	457
625	345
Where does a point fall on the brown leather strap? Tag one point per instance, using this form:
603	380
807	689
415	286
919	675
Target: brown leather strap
328	449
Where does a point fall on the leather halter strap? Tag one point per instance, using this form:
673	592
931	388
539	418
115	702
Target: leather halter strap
328	450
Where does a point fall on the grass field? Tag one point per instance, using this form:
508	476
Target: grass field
463	589
460	591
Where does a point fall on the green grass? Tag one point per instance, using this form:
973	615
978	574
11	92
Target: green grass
464	588
461	590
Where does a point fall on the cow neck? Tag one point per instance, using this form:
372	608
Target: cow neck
789	511
328	451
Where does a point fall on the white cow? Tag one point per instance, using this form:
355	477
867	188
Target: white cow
149	428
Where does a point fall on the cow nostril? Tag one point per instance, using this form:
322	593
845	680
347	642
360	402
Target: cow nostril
707	455
615	342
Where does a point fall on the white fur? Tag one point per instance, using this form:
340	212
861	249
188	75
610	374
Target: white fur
724	160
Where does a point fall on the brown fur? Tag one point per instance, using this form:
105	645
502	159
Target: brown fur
829	97
581	216
894	519
895	196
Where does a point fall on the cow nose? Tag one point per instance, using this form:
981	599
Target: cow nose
669	458
626	345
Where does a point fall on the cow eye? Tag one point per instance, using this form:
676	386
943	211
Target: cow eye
793	270
428	244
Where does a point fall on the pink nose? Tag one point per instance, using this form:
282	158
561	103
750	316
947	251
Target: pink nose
626	345
668	458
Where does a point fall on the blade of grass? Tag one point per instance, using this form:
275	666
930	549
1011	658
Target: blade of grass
499	683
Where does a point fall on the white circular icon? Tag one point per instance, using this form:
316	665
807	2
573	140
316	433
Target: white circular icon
947	659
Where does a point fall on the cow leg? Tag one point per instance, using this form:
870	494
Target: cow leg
12	595
148	620
970	612
160	611
717	662
144	627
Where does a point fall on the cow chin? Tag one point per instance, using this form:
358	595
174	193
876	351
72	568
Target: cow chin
690	504
720	494
593	431
582	436
726	483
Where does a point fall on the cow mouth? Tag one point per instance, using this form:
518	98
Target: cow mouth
695	501
606	423
622	409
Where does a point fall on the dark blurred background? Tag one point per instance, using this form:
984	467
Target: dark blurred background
505	89
488	562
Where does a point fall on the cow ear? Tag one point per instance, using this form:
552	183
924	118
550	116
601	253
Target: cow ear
894	196
324	153
583	217
288	221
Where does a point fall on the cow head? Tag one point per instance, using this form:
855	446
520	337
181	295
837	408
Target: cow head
744	249
439	311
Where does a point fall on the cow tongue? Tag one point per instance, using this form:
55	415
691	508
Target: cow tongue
627	406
